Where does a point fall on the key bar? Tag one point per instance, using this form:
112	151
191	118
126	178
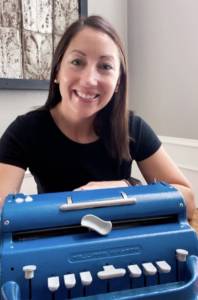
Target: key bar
91	204
110	272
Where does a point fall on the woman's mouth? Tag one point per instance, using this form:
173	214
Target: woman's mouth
86	97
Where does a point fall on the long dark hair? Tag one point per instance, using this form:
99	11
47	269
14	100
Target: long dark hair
111	123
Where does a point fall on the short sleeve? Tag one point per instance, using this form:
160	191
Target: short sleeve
12	145
144	141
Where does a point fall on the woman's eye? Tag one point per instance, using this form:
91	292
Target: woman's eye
76	62
106	67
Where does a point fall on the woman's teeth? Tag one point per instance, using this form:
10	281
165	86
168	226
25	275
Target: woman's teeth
86	96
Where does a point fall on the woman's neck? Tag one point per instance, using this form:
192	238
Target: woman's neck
78	130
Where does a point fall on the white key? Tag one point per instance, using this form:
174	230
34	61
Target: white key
111	272
181	254
28	199
149	269
70	280
53	283
86	278
29	271
163	266
135	271
19	200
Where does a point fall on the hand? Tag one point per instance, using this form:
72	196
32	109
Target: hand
93	185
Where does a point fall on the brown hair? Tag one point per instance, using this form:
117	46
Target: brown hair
111	123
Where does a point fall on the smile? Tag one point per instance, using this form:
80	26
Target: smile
86	96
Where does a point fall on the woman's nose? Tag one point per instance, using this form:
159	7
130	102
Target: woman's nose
89	76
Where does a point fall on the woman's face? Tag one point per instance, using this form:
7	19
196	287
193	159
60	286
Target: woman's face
88	73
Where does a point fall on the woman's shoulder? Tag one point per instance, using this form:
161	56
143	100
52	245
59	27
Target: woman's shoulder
34	116
27	123
31	119
144	140
136	124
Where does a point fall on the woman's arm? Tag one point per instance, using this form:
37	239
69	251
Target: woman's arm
11	178
160	167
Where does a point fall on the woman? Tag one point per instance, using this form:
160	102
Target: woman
84	137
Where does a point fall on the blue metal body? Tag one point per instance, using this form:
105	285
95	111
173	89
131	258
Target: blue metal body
57	255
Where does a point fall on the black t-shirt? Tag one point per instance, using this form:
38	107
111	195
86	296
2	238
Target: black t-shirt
59	164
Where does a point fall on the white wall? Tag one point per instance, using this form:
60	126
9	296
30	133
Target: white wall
13	103
114	11
163	59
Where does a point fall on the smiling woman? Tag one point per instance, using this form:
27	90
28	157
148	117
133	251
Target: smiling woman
84	137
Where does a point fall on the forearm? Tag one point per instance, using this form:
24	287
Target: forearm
10	180
2	199
1	202
5	191
189	199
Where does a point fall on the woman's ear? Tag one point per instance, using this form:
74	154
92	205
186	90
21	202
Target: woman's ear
56	81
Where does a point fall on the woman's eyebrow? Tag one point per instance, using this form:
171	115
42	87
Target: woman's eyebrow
107	56
78	51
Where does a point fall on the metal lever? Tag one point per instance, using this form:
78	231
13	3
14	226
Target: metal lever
95	223
99	203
